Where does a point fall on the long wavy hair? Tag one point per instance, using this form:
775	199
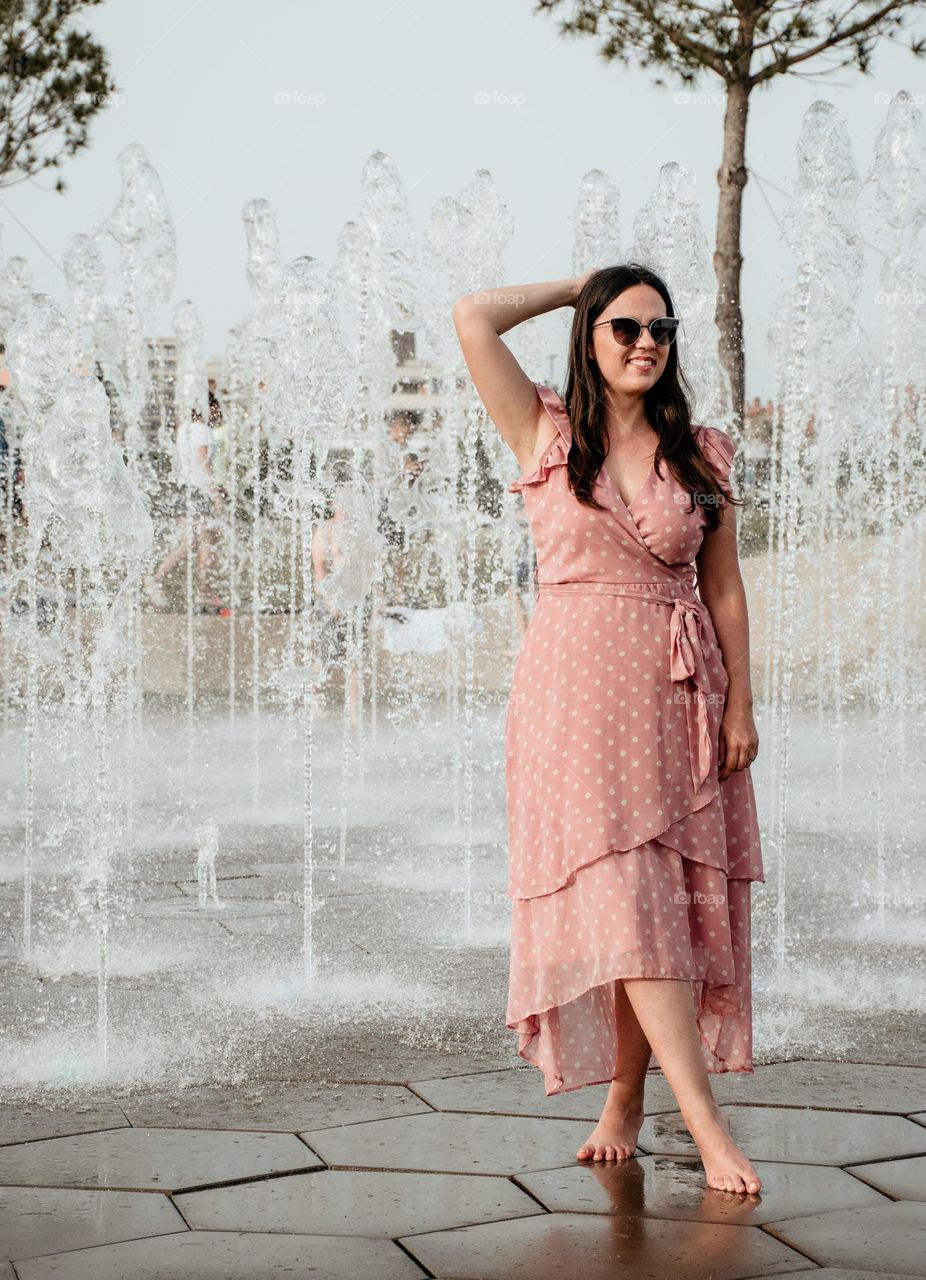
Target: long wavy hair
667	404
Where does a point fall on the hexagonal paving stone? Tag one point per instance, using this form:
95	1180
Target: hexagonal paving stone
272	924
795	1135
597	1247
37	1220
840	1273
518	1092
919	1117
26	1121
241	886
661	1187
851	1086
187	909
349	1202
903	1179
153	1159
228	1255
887	1236
183	867
453	1143
272	1106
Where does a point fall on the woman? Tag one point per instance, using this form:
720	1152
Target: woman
629	730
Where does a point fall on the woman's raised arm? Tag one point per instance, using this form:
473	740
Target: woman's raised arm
504	388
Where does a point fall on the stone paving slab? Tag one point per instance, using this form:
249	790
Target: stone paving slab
902	1179
798	1135
596	1247
452	1144
183	867
135	891
272	924
848	1086
40	1220
660	1187
520	1092
273	1106
244	886
27	1121
357	1202
889	1236
187	907
453	1173
154	1159
840	1273
218	1255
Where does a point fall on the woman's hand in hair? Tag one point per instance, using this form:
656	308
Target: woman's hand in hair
582	280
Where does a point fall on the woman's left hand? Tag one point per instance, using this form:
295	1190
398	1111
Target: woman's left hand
739	741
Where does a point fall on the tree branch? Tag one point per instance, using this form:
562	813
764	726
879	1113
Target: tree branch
836	37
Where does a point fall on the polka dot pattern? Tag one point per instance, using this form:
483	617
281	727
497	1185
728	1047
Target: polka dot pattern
627	856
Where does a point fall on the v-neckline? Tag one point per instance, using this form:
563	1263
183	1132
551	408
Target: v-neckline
613	487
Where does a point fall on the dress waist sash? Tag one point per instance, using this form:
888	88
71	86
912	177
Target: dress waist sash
686	653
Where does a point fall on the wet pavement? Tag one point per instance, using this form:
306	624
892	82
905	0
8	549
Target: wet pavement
248	1124
466	1176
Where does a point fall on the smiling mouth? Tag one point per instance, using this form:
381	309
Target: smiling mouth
645	363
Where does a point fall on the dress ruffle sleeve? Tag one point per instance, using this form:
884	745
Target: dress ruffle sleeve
719	449
557	452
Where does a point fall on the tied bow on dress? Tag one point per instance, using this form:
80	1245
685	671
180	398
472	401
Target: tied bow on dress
686	662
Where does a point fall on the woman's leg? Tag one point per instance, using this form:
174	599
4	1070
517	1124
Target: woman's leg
173	557
665	1010
615	1136
202	543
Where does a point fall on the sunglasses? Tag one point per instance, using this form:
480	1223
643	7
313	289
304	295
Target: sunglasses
626	330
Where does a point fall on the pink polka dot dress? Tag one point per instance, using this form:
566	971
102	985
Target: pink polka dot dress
627	856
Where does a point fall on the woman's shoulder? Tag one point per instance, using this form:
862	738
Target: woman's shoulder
556	451
555	406
717	446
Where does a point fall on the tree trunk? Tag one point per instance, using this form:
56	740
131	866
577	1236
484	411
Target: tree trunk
728	261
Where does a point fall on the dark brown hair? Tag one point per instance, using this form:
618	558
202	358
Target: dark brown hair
667	403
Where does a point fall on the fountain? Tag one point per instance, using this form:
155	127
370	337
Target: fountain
220	879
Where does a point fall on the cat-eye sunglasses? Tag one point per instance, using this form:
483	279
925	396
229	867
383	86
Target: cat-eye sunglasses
626	330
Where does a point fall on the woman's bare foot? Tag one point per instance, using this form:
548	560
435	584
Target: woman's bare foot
615	1136
725	1163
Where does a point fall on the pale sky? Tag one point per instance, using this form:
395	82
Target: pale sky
199	82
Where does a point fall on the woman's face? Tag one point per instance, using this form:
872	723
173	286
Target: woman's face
636	368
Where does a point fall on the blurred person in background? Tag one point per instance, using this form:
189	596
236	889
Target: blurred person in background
330	545
200	507
11	472
219	440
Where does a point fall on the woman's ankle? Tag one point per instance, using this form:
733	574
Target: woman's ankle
624	1089
703	1117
